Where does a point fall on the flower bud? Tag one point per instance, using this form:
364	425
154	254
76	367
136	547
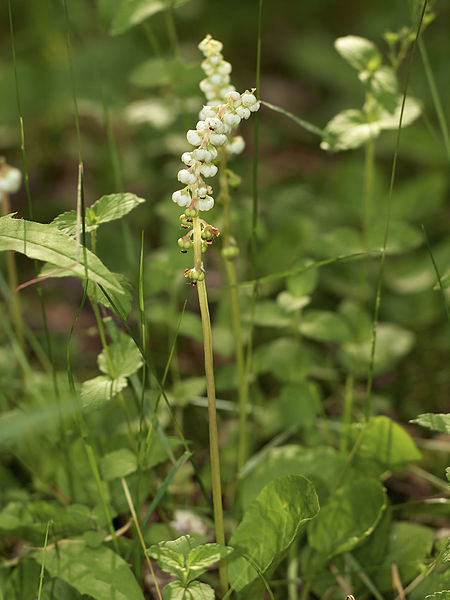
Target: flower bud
193	137
185	176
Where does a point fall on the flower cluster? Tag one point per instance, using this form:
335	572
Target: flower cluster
219	117
210	134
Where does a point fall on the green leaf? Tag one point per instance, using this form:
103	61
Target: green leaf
282	357
384	446
134	12
194	591
324	326
304	283
186	558
348	518
393	342
118	463
436	422
106	209
124	356
99	572
57	589
349	129
269	526
411	111
290	303
155	72
409	545
444	595
382	85
44	242
96	392
321	465
360	53
122	303
270	314
402	237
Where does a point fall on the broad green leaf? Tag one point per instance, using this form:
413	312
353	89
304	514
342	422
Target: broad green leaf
106	209
322	465
382	85
194	591
402	237
349	517
393	342
134	12
349	129
436	422
99	572
118	463
384	446
46	243
324	326
304	283
124	357
270	314
57	589
408	547
269	526
359	52
22	583
96	392
28	520
201	558
411	111
290	303
186	558
284	358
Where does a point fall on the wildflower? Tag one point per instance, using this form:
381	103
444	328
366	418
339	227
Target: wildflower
10	178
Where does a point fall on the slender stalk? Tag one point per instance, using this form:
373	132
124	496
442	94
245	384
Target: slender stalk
235	314
435	95
211	392
292	571
16	308
348	409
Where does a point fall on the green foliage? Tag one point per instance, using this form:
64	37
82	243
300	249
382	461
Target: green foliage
133	12
434	422
43	242
99	572
269	526
106	209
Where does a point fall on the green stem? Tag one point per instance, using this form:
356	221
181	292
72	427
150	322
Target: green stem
348	410
435	95
292	571
235	314
211	392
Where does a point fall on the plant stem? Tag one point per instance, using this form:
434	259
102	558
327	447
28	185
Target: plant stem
235	314
16	308
211	392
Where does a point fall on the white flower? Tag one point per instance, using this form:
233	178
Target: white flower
10	179
208	170
212	153
248	100
202	191
217	79
244	113
234	98
201	126
187	158
185	176
193	137
205	203
218	139
206	112
224	68
215	60
181	197
214	124
199	154
255	107
236	146
205	85
231	119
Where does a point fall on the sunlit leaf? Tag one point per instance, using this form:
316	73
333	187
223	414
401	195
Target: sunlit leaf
269	526
134	12
383	446
194	591
360	53
118	463
122	358
98	572
349	517
436	422
98	391
46	243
